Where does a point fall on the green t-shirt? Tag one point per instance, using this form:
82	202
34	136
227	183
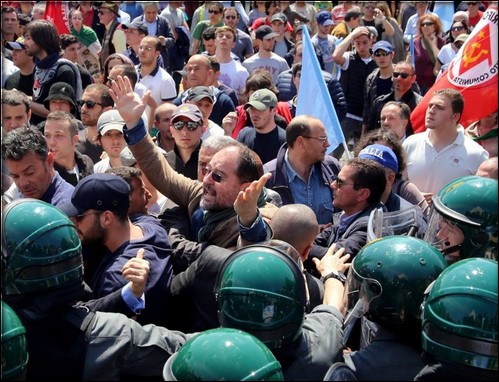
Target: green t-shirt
198	32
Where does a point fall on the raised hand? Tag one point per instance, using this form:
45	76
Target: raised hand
332	261
246	201
136	271
128	103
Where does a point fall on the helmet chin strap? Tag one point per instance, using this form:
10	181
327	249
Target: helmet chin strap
447	251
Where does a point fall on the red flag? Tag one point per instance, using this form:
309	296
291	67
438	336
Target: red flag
58	13
473	72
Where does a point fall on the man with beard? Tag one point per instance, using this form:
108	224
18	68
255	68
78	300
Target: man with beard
99	209
95	101
26	155
234	174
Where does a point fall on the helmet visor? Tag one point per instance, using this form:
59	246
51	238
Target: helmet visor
360	292
445	236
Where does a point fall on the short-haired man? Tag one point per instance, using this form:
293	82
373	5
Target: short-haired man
31	166
395	116
232	73
42	41
282	45
114	40
350	22
110	135
266	58
442	153
134	33
99	209
324	42
155	78
61	133
243	47
265	137
24	78
186	128
70	46
162	123
95	101
302	172
10	25
16	110
404	80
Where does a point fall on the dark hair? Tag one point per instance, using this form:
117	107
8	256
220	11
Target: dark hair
103	90
128	71
68	39
59	115
456	99
387	138
45	35
9	9
295	68
268	4
233	9
408	63
23	19
115	56
209	33
352	14
127	173
22	141
217	4
15	97
404	109
250	165
157	42
215	64
369	174
449	32
260	79
296	128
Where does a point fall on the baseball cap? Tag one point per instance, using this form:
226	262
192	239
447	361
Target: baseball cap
113	7
383	45
462	37
262	99
324	18
182	72
18	44
381	154
197	93
127	158
188	110
98	191
265	32
60	91
110	120
138	25
300	28
279	16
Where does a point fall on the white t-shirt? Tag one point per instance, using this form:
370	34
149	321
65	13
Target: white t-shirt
212	129
275	64
233	75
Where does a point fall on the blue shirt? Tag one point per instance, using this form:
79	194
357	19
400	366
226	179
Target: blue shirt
312	192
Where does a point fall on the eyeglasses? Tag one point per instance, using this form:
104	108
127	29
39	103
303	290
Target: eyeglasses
401	74
148	48
340	183
215	176
89	104
381	53
322	139
191	125
427	24
79	218
460	28
231	17
215	12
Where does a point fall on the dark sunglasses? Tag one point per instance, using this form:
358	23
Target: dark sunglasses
215	12
401	74
381	53
191	125
79	218
216	177
457	28
340	183
231	17
428	24
90	104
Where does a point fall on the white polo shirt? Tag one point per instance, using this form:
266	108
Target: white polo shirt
160	83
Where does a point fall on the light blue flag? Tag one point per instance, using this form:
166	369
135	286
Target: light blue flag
313	96
445	11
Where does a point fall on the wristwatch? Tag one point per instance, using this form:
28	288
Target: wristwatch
336	275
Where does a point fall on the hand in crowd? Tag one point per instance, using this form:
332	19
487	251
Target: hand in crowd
229	122
136	271
128	103
246	202
332	261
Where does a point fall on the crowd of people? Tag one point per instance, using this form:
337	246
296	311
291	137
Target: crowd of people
167	214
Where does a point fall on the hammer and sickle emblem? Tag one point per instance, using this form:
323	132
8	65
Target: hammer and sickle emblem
469	55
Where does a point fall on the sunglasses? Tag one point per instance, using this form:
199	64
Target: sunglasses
89	104
340	183
428	24
215	12
215	176
79	218
457	28
191	125
401	74
231	17
381	53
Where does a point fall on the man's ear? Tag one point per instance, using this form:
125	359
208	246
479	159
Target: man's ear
50	159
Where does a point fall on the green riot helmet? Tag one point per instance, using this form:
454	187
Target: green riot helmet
223	354
14	348
261	290
460	316
40	248
463	223
387	280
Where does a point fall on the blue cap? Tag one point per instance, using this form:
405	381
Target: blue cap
324	18
101	192
383	45
381	154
